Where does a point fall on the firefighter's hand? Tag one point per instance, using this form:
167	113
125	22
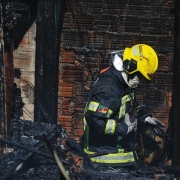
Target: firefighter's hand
154	121
158	125
132	126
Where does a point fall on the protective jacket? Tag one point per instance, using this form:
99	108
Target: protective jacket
105	132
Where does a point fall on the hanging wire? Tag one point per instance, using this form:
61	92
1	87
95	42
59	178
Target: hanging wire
30	115
41	106
45	113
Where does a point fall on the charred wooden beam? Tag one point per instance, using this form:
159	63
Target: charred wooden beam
25	156
33	150
47	60
29	152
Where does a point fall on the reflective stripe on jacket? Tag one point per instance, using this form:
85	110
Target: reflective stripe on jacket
120	156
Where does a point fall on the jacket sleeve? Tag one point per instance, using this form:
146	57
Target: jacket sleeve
102	113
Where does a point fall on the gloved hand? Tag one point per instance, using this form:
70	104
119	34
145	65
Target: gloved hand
132	126
154	121
158	125
133	83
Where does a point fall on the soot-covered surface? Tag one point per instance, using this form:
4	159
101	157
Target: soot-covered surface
30	157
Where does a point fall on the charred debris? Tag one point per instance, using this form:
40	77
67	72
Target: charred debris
43	151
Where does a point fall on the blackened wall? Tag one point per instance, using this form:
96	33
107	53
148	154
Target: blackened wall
94	28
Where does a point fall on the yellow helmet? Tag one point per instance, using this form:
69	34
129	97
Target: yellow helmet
142	58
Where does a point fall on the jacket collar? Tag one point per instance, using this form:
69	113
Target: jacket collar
119	77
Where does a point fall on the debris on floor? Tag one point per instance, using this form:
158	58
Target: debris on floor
37	150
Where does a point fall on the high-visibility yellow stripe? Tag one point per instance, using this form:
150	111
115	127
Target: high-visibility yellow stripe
86	131
122	111
110	112
85	123
110	127
127	98
85	109
124	100
113	158
120	150
86	150
93	106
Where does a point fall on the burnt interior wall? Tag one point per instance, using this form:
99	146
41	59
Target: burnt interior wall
11	11
91	29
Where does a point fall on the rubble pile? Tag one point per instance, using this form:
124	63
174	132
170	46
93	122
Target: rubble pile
31	146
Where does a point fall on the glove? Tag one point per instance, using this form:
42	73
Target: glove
133	83
154	121
158	125
131	125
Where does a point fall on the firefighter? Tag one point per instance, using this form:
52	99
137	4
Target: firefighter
111	115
